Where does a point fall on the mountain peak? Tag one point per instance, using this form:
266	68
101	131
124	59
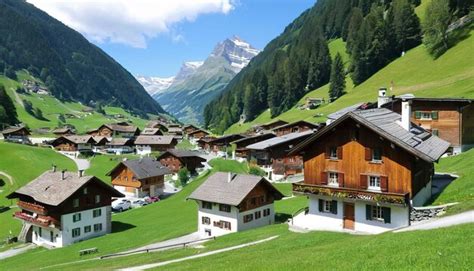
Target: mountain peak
236	51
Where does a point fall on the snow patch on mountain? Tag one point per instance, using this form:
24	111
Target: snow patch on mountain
154	85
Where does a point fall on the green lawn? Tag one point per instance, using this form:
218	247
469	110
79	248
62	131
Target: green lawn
102	164
451	75
24	163
462	189
185	144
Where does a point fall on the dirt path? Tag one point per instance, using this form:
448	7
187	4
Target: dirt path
9	178
18	99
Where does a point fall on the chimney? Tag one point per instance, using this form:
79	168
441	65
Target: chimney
383	97
80	173
54	167
406	113
229	177
63	173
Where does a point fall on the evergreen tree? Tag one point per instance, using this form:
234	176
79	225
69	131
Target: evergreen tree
251	108
406	25
354	25
337	83
437	19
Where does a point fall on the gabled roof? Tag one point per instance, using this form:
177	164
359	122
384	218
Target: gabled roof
51	189
62	130
269	143
100	139
151	131
386	123
229	188
14	129
345	110
252	139
154	140
227	138
121	127
190	126
174	130
181	153
77	139
302	122
197	131
271	123
143	168
116	141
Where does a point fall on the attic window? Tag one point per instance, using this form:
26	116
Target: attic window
85	190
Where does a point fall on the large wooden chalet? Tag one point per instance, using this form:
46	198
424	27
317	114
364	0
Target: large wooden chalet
17	134
140	177
121	129
229	203
365	170
241	150
219	145
451	119
273	155
147	144
175	159
74	143
187	129
60	208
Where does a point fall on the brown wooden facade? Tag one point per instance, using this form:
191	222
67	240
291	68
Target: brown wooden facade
260	196
198	134
123	176
175	163
295	127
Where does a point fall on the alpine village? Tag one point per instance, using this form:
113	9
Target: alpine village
346	142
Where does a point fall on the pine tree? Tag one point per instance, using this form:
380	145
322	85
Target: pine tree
250	102
437	19
337	83
406	25
354	25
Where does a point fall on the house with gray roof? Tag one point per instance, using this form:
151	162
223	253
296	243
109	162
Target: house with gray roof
146	144
61	207
139	177
16	134
229	202
365	171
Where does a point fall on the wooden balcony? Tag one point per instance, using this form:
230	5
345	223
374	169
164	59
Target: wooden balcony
44	221
350	193
34	208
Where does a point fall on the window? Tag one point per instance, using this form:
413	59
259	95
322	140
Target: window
425	116
332	179
40	231
374	182
333	153
295	129
76	217
51	236
76	232
378	213
75	203
224	208
266	212
97	227
85	190
97	198
258	214
327	206
206	205
87	229
248	218
226	225
96	213
205	220
377	155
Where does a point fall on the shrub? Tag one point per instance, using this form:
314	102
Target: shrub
183	176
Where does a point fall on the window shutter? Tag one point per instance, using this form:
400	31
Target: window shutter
417	115
334	207
434	115
324	178
386	212
339	153
384	183
368	154
363	181
320	205
340	179
368	212
327	154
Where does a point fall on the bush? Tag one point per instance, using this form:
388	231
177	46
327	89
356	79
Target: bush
254	170
183	176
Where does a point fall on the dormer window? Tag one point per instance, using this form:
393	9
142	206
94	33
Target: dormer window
333	153
75	203
85	190
377	155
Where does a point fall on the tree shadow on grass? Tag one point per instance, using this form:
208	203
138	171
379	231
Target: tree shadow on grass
282	217
438	185
118	226
454	37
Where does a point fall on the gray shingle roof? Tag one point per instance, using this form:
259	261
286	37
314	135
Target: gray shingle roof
80	139
154	140
307	123
183	153
151	131
144	167
255	137
13	129
117	141
262	145
386	123
217	188
51	189
122	128
343	111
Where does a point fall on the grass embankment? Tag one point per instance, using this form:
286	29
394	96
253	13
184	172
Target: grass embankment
166	219
102	164
462	189
23	163
451	75
185	144
52	108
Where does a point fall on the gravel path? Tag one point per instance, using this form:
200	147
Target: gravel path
15	251
442	222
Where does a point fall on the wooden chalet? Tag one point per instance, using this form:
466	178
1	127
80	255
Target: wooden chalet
365	171
176	131
451	119
148	144
151	132
189	129
17	134
65	131
273	124
295	127
140	177
241	150
204	142
220	144
119	146
157	124
198	134
175	159
234	202
74	143
61	208
273	155
121	129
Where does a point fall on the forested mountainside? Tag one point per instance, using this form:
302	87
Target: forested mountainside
8	113
297	61
70	66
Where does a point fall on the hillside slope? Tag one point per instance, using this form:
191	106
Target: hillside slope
70	66
451	75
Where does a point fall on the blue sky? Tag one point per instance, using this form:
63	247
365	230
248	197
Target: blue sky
154	37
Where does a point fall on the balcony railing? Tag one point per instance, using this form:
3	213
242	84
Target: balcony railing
35	208
350	193
44	221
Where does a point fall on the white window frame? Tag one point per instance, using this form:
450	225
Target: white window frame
373	155
327	206
333	181
425	116
376	212
333	155
377	179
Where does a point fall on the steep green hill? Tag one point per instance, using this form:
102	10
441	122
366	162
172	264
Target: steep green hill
70	66
451	75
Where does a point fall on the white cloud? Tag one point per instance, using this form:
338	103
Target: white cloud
130	22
